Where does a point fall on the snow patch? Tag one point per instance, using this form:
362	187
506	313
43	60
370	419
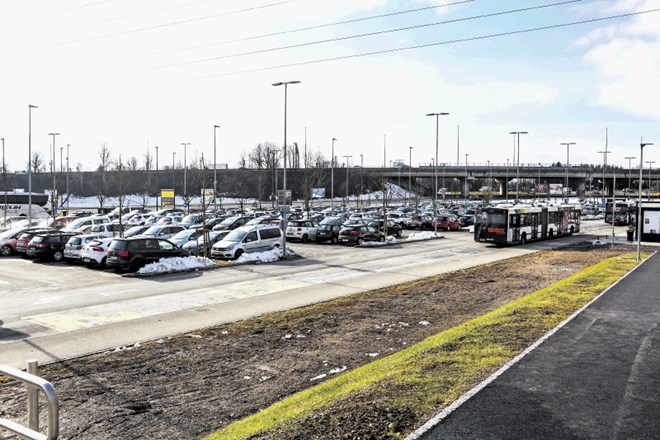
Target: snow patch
176	264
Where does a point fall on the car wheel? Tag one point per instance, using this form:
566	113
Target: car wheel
5	250
334	240
57	256
135	265
305	238
572	230
103	263
238	254
381	238
360	241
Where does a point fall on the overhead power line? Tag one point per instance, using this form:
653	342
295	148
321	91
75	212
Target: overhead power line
368	34
174	23
421	46
318	26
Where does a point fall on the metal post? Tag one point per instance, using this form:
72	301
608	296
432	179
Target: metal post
613	203
215	168
639	195
30	107
332	175
435	174
68	196
33	399
410	170
467	186
284	209
185	177
566	192
4	180
361	171
517	158
630	158
53	168
157	185
347	167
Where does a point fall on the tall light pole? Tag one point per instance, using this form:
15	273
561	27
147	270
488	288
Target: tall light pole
410	170
185	177
347	168
30	107
332	174
605	153
361	173
157	185
435	174
467	185
568	144
517	158
650	162
642	144
215	169
506	183
4	179
53	196
284	208
67	178
630	158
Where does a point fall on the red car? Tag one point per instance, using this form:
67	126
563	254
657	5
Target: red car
447	222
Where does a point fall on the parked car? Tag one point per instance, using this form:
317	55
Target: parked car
184	236
135	230
86	221
447	222
8	241
231	223
247	239
393	228
48	245
24	239
74	246
107	230
197	246
420	221
466	220
96	252
328	232
303	230
358	234
134	252
164	231
137	220
263	220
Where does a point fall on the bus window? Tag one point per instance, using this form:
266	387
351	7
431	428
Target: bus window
497	220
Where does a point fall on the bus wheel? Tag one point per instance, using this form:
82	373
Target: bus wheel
551	233
523	239
572	230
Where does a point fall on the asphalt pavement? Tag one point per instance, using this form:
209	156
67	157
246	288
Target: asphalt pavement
598	377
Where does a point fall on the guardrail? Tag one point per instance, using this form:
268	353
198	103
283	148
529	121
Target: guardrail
34	384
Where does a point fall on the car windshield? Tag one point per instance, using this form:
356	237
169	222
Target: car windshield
189	219
182	235
235	236
228	221
8	234
154	230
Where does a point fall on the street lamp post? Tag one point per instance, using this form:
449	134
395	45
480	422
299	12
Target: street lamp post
650	162
185	176
215	169
467	185
605	153
435	174
410	170
347	168
361	173
68	196
332	174
53	196
4	180
157	189
642	144
566	192
506	183
517	158
30	107
283	222
630	158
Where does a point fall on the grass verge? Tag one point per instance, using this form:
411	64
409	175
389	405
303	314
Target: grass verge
431	374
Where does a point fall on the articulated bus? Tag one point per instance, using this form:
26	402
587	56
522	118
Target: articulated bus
518	224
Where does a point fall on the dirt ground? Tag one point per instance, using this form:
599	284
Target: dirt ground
186	386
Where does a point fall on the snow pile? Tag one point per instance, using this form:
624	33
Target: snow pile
426	235
176	264
261	257
390	239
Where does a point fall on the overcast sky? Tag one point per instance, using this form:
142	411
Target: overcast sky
138	74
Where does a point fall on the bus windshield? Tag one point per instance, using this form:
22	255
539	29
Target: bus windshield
497	219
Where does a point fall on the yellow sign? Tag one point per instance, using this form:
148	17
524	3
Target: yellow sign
167	198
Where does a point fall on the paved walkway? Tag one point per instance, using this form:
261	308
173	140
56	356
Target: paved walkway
596	378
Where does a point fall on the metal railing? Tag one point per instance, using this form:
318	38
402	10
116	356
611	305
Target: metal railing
34	384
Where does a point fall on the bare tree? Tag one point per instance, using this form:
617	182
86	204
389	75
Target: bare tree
311	177
133	163
37	162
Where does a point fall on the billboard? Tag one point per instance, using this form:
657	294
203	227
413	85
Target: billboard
556	189
167	198
318	193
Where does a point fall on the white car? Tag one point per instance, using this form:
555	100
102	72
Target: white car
303	230
95	252
73	247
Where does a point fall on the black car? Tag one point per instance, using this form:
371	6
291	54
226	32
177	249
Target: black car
327	232
231	223
358	234
134	252
393	228
48	245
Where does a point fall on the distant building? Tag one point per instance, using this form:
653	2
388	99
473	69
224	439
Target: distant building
218	166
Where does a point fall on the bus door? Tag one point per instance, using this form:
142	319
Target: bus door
534	223
514	226
544	223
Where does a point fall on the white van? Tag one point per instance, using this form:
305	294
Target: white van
248	239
